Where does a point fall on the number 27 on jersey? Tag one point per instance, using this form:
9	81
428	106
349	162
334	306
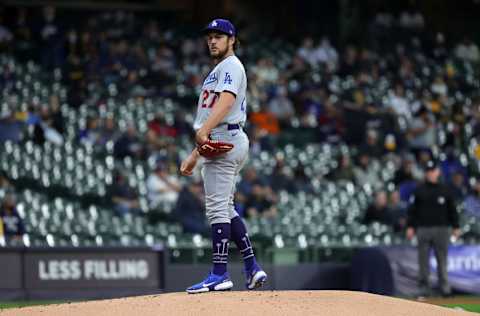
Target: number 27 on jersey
208	98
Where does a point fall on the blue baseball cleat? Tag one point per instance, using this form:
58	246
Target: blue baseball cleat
212	283
256	277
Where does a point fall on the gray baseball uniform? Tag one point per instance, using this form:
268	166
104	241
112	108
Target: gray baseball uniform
220	173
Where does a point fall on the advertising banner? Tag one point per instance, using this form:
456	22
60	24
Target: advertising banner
92	269
463	268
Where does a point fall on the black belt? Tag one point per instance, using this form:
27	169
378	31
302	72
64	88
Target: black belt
233	126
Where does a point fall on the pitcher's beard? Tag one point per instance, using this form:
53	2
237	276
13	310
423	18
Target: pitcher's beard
220	55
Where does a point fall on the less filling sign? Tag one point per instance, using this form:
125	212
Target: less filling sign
93	269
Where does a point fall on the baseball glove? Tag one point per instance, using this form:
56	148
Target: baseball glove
213	148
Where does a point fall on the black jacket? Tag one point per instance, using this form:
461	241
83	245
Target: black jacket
432	205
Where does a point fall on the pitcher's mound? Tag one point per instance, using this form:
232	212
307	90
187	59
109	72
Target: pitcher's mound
263	303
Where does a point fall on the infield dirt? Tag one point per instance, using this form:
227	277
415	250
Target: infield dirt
263	303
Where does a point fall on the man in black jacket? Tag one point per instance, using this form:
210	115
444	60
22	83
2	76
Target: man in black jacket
431	214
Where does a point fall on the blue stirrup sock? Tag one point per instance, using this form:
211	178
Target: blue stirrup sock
220	242
240	237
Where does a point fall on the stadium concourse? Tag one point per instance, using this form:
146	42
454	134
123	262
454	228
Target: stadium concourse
96	115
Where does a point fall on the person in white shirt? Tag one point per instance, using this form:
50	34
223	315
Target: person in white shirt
468	51
399	104
162	187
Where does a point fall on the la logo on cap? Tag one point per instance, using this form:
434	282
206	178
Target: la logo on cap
214	23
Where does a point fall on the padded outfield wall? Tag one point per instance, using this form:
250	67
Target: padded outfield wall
84	273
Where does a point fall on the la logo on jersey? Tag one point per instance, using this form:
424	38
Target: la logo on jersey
227	79
211	78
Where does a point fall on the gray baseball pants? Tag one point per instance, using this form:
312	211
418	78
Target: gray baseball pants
438	239
220	175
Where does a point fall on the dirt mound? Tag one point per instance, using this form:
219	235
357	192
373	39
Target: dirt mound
264	303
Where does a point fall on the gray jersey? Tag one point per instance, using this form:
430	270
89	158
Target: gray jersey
228	75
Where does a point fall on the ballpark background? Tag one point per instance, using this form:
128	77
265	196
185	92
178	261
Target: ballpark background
347	102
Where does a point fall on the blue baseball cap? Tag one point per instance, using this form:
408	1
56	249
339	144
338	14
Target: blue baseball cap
222	26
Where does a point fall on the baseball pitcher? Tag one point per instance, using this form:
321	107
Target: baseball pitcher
223	144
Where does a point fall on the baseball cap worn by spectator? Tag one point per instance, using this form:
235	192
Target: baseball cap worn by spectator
222	26
431	165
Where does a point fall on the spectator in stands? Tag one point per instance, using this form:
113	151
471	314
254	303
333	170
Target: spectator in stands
162	187
24	46
378	211
281	106
108	131
302	182
91	133
56	117
344	169
439	87
282	177
365	172
75	77
180	124
412	20
423	131
266	121
472	201
467	50
168	153
297	69
129	144
13	226
310	53
45	130
451	165
122	197
406	177
440	51
408	171
260	140
380	29
265	72
327	54
249	179
349	63
5	35
398	103
458	187
10	128
398	210
5	184
331	124
356	117
160	127
50	37
261	202
372	144
190	209
164	63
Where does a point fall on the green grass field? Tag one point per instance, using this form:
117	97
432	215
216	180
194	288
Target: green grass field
468	307
4	305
